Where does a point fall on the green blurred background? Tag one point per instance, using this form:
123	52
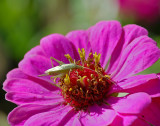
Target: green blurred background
24	23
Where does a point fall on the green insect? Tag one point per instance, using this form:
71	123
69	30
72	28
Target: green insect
62	69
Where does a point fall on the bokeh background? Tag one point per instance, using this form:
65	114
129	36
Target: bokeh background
24	22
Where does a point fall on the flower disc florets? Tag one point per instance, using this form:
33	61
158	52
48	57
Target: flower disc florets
84	87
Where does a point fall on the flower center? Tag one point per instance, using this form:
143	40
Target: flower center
86	85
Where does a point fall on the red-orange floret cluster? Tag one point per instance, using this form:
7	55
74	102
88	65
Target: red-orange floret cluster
84	87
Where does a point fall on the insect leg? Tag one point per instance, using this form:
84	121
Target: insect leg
42	75
53	78
56	76
53	81
58	61
51	61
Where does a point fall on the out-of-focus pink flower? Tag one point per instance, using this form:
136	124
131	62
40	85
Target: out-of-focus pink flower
128	50
141	10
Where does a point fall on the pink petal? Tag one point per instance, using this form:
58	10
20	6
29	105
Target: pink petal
26	91
131	104
35	51
36	65
133	31
124	120
56	45
26	98
80	39
52	118
22	113
140	122
74	121
141	83
152	113
16	75
137	80
130	33
128	119
99	116
24	85
136	57
104	37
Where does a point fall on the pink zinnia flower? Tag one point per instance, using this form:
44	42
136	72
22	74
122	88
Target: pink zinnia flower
87	94
141	10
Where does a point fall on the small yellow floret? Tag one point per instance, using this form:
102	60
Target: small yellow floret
90	54
82	54
97	57
70	89
69	58
81	89
108	76
67	80
92	76
81	79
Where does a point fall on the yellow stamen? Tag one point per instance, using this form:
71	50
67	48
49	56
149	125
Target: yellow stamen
67	80
82	54
92	76
97	58
107	76
90	58
81	79
69	58
70	89
81	90
90	54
